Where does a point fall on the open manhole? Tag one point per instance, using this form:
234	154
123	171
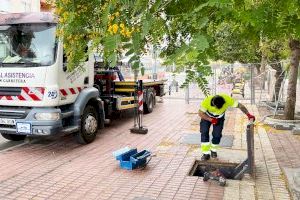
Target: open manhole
220	171
227	170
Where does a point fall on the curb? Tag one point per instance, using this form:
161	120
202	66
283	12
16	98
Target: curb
26	141
292	182
13	147
281	124
296	131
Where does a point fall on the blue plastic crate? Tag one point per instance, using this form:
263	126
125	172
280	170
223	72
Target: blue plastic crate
131	159
127	165
126	155
124	159
140	158
121	151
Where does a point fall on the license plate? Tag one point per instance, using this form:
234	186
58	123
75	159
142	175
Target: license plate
23	128
7	121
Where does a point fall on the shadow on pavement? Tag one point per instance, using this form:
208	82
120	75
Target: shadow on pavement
8	144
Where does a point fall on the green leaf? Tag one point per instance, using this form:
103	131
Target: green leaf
113	57
129	52
146	25
197	9
136	41
219	3
111	42
104	16
136	65
133	58
127	45
139	6
202	22
200	42
156	6
142	71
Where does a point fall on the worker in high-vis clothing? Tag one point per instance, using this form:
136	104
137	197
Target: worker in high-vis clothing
212	112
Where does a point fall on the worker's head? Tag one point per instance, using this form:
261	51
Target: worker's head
217	101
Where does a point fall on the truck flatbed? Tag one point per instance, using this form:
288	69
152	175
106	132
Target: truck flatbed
145	83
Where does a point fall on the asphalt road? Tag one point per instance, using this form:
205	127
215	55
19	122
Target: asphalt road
4	143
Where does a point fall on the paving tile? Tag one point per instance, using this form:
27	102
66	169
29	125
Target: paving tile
62	169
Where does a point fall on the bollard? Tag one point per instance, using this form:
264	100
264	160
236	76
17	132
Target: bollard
248	165
250	148
138	128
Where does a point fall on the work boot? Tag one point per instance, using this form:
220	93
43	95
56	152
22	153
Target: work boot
205	157
214	154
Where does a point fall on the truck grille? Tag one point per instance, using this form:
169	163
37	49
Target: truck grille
13	113
7	126
10	91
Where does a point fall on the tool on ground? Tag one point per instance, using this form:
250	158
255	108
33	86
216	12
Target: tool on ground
132	159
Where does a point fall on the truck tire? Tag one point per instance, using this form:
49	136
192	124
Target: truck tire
148	106
13	137
89	126
154	99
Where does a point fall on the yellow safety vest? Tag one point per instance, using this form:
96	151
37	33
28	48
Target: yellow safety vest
213	111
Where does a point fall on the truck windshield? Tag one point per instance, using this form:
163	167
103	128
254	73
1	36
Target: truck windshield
27	45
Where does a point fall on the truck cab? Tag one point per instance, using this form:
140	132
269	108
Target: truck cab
38	96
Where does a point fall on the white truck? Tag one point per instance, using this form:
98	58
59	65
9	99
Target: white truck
38	96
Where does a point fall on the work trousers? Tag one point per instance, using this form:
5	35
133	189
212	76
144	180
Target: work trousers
217	131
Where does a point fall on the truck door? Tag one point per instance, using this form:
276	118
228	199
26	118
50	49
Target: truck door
72	83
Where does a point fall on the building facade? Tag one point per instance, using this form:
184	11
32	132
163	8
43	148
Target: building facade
15	6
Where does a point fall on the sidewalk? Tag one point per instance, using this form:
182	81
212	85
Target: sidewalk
62	169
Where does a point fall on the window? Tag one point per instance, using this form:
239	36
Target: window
26	43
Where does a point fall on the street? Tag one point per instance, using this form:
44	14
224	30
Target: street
4	143
62	169
149	100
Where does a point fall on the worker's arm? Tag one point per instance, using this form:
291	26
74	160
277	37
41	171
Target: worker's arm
204	116
244	110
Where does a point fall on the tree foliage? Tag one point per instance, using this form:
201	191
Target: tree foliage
112	27
115	28
230	43
188	32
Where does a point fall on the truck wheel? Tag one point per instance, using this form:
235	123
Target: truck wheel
13	137
89	126
148	107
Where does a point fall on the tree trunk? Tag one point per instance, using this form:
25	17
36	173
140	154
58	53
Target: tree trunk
258	69
263	65
289	110
279	78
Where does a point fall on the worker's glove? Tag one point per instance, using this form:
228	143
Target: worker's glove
250	117
214	121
